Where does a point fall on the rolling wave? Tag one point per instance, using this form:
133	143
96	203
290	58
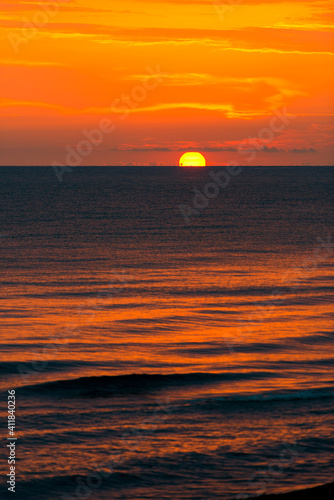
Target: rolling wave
115	385
269	396
12	367
64	485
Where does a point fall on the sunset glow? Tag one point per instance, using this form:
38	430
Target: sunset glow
170	76
167	306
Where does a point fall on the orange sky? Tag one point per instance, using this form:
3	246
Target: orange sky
69	66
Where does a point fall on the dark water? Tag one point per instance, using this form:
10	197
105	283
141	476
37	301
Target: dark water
164	351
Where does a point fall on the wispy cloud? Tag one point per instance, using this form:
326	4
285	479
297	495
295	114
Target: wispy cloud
18	7
259	39
22	62
190	79
207	149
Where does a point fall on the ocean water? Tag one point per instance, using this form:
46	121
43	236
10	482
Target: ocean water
163	346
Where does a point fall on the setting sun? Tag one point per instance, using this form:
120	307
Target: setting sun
192	159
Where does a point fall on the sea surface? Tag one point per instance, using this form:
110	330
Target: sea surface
162	345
